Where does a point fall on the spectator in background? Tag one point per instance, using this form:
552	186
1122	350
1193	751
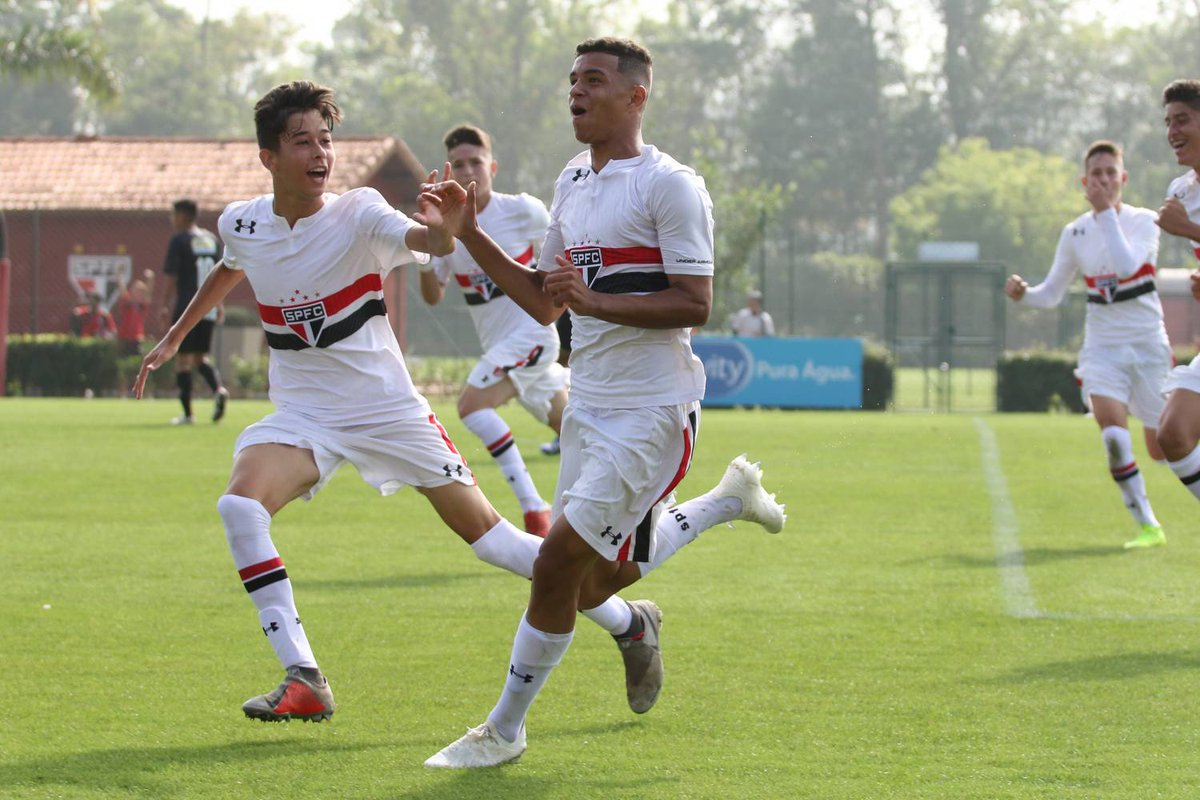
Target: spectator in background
92	320
132	307
752	320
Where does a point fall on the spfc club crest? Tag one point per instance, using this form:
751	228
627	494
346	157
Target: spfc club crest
306	321
1107	285
588	260
102	276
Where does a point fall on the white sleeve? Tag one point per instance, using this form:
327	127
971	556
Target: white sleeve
1128	255
229	256
768	325
385	229
1050	292
552	245
537	218
682	213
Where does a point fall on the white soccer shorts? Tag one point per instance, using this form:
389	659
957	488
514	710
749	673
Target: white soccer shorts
1135	374
618	464
1185	376
407	452
533	368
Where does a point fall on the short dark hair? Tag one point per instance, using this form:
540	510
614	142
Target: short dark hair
187	207
1186	91
633	60
1103	146
467	134
272	112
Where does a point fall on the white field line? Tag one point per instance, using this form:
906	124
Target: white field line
1010	559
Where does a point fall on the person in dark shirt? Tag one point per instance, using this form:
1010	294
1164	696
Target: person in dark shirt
191	255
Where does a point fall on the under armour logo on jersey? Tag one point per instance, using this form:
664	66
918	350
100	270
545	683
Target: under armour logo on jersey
248	225
524	678
455	469
616	537
1078	231
272	628
581	174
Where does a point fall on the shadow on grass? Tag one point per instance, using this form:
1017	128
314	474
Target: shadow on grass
142	770
1121	666
510	783
415	581
1036	555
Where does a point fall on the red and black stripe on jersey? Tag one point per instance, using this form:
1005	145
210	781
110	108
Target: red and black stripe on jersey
592	261
639	543
307	324
478	290
1137	284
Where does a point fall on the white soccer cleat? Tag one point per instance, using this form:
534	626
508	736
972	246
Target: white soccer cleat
480	747
743	480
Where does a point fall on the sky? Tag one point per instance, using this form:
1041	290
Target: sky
314	18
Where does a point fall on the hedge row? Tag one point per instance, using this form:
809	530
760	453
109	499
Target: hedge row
878	378
1037	380
58	365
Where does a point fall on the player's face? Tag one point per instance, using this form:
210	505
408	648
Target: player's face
470	162
1183	133
600	99
1108	172
305	159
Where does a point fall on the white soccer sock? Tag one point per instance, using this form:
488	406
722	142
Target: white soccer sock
1187	469
535	653
248	529
614	615
680	525
1118	444
507	547
497	437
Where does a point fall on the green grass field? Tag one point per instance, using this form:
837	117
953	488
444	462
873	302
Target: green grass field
948	614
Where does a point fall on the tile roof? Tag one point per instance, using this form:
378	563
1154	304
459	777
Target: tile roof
145	174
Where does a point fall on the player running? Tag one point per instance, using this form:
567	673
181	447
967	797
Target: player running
1125	356
1179	429
520	356
637	228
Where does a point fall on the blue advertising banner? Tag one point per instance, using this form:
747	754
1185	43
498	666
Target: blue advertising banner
781	372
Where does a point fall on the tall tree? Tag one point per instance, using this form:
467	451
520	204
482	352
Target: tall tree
54	41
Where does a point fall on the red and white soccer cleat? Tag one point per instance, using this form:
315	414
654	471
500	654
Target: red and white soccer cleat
296	698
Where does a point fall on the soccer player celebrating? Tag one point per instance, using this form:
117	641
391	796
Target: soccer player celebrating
1125	356
315	261
1179	429
520	357
636	226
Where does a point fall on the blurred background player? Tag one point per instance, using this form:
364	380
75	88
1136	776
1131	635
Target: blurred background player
520	356
91	320
191	255
132	309
1125	356
752	320
1179	429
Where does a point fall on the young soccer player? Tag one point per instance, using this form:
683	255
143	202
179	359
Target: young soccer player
1125	356
1179	429
520	358
636	227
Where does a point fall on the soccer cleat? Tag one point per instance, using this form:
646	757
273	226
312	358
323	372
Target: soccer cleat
551	448
220	399
296	698
1151	536
183	419
743	480
643	658
538	522
480	747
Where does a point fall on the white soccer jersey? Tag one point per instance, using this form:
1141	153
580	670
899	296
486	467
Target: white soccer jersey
626	228
319	288
516	222
1186	189
1123	304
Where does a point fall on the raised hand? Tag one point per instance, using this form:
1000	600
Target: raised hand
1015	287
1173	217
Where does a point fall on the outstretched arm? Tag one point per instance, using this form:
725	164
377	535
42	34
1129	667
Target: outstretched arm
216	286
